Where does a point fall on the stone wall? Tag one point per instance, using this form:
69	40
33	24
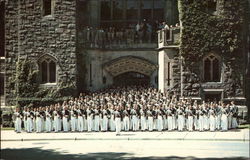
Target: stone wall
31	35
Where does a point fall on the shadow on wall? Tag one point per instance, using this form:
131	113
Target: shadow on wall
40	154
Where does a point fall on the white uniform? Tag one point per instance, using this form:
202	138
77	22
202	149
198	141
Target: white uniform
57	121
112	120
224	120
89	119
170	119
159	120
117	122
212	120
18	122
65	122
190	120
134	119
150	120
181	119
80	121
29	122
143	120
96	120
105	120
126	122
38	122
73	120
48	123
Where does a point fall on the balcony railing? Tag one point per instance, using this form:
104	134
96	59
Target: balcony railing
169	37
100	39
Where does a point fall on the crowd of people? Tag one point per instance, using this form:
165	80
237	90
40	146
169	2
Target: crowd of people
132	108
143	32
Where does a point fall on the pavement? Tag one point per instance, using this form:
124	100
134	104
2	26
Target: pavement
231	135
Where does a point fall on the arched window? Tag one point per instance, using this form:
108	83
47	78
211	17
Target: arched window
47	70
211	68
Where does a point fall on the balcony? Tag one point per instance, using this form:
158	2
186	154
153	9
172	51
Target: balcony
169	37
126	39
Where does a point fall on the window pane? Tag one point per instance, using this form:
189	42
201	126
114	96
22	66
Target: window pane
52	72
216	70
117	10
146	9
47	7
105	10
158	10
44	72
207	70
132	10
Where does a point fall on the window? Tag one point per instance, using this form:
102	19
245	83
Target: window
211	6
122	13
211	66
47	7
105	10
47	70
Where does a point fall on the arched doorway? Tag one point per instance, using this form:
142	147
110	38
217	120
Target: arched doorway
131	78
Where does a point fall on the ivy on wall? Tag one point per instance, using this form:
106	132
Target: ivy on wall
204	31
28	91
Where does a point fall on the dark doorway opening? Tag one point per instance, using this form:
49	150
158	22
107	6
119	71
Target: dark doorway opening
131	78
210	97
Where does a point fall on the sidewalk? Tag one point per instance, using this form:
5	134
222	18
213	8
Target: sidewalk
232	135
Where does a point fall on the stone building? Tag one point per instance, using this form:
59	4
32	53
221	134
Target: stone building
89	45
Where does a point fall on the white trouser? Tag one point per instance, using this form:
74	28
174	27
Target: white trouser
159	123
190	123
89	122
126	123
65	124
97	123
201	123
38	124
105	123
112	123
18	123
170	123
118	125
143	123
212	123
181	122
234	122
150	123
229	121
73	123
48	124
134	123
56	123
80	123
25	124
224	122
29	125
217	119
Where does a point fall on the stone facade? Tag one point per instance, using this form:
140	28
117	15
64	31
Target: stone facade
29	34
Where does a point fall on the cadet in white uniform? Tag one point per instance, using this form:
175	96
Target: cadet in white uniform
89	118
117	114
48	121
104	119
150	118
18	120
29	121
143	119
65	119
126	122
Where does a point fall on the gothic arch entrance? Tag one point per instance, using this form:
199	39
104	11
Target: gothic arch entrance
131	78
130	70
